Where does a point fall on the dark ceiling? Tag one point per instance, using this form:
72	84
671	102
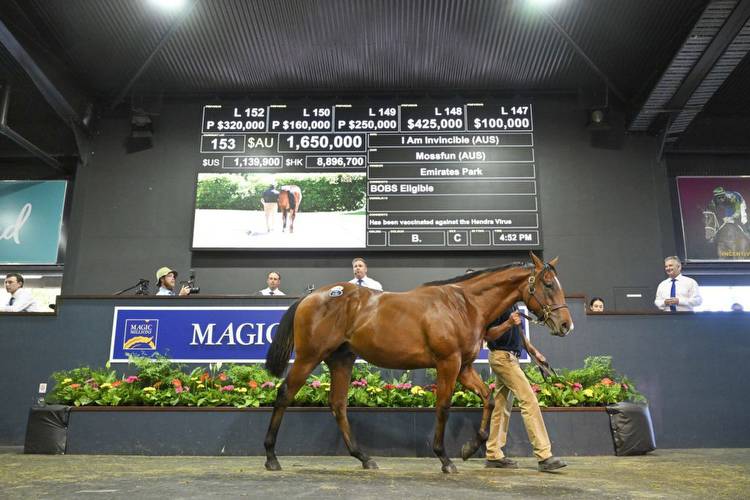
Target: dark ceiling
652	55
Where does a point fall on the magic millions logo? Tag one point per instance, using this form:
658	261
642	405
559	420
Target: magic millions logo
140	334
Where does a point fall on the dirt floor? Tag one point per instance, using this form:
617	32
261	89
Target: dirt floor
702	473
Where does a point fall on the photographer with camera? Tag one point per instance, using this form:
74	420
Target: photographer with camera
167	279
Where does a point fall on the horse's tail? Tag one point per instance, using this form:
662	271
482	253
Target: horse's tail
282	346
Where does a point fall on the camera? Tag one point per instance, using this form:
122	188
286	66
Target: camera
190	283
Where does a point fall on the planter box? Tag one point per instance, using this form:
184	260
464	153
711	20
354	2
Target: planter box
397	432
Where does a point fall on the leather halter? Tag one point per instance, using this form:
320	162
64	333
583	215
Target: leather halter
547	309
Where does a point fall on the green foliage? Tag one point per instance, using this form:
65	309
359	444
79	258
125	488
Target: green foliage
341	192
161	383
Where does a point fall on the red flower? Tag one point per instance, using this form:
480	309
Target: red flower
535	388
607	381
389	386
253	384
492	386
227	388
131	379
625	387
577	387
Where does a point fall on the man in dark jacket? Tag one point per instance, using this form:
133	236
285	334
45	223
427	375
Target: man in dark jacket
270	198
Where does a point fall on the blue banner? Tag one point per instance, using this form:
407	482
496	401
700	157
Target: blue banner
31	215
204	334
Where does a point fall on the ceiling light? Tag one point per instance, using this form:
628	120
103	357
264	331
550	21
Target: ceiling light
542	3
169	4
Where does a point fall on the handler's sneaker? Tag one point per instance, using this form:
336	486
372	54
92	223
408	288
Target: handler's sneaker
502	463
550	464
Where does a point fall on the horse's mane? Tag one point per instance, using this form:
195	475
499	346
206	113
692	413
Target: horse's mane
473	274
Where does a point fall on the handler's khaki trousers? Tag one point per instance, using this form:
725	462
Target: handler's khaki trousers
270	210
511	380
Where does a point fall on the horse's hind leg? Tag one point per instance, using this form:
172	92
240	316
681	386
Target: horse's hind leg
447	371
472	381
340	363
294	380
291	220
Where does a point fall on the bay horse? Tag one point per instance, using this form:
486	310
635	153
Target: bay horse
732	242
289	201
439	324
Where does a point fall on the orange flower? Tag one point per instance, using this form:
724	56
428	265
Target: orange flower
607	381
559	385
116	383
205	377
253	384
75	386
222	376
176	382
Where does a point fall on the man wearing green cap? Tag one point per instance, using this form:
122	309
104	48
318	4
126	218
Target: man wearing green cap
729	206
166	279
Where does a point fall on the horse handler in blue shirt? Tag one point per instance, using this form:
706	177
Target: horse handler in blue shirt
505	340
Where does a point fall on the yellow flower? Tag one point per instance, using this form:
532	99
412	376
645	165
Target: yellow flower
546	392
417	390
200	386
588	393
105	385
149	389
241	389
67	380
457	393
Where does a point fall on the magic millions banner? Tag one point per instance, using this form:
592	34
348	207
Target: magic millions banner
203	334
31	216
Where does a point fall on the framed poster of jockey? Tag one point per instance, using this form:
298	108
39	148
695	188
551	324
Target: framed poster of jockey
714	219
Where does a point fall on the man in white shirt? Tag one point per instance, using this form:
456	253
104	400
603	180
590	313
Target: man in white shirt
166	280
273	281
359	268
20	299
677	292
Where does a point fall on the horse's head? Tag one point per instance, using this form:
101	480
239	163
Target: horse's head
545	297
710	224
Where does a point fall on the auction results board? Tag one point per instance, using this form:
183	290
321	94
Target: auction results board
438	175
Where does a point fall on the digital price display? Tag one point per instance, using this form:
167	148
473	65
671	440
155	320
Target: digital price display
450	176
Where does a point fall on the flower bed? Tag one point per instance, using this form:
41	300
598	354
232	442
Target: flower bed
159	382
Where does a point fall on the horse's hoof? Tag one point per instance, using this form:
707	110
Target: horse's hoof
450	469
468	450
370	464
273	464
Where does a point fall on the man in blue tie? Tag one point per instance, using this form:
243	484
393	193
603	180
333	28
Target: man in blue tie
677	292
20	299
273	281
359	268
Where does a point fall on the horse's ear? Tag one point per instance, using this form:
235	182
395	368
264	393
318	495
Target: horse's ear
537	263
553	262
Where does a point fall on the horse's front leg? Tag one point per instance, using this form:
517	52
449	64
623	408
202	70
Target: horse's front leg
447	371
472	381
283	219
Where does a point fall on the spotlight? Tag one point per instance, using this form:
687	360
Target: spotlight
599	119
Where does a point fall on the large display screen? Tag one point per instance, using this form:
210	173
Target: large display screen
438	175
714	218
